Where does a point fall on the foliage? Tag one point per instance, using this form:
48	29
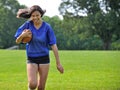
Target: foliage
9	22
103	16
86	24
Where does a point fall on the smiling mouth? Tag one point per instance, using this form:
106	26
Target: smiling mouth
36	20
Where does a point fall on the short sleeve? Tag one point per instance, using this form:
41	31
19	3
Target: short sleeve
51	36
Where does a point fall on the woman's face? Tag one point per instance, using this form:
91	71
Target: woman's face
36	17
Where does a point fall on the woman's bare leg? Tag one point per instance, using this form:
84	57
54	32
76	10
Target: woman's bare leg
43	72
32	70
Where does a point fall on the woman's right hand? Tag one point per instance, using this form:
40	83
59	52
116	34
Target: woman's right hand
26	33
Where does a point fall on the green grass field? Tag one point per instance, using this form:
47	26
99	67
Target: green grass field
84	70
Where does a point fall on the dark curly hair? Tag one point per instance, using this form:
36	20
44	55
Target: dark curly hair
26	13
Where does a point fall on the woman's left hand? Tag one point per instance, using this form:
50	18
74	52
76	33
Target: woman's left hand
60	68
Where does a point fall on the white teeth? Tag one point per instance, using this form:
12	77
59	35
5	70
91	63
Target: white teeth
36	20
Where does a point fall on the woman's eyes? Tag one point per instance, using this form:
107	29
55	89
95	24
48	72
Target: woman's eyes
35	15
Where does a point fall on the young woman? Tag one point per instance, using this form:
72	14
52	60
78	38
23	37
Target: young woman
37	49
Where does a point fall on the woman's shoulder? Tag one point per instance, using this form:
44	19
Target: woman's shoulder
46	24
28	22
25	23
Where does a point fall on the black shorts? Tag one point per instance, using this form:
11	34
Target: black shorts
39	60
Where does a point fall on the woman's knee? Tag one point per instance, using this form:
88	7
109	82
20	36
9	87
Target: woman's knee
41	87
32	85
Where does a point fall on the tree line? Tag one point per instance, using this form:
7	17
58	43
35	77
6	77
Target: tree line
86	24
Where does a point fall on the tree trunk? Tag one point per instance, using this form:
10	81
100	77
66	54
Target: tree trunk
106	45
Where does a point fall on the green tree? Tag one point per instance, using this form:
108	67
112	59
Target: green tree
103	16
8	22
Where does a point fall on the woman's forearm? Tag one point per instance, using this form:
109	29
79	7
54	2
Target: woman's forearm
19	39
55	50
59	66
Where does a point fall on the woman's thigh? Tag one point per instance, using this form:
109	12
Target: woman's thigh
43	72
32	70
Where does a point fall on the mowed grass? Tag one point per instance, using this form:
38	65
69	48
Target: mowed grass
84	70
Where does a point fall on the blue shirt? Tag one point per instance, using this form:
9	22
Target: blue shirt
42	38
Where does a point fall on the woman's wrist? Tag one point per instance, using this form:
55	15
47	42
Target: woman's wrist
58	62
19	39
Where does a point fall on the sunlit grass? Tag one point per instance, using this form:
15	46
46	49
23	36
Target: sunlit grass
84	70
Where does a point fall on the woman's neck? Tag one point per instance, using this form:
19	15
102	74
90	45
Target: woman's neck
38	24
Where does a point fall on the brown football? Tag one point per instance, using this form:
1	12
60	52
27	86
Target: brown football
26	39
